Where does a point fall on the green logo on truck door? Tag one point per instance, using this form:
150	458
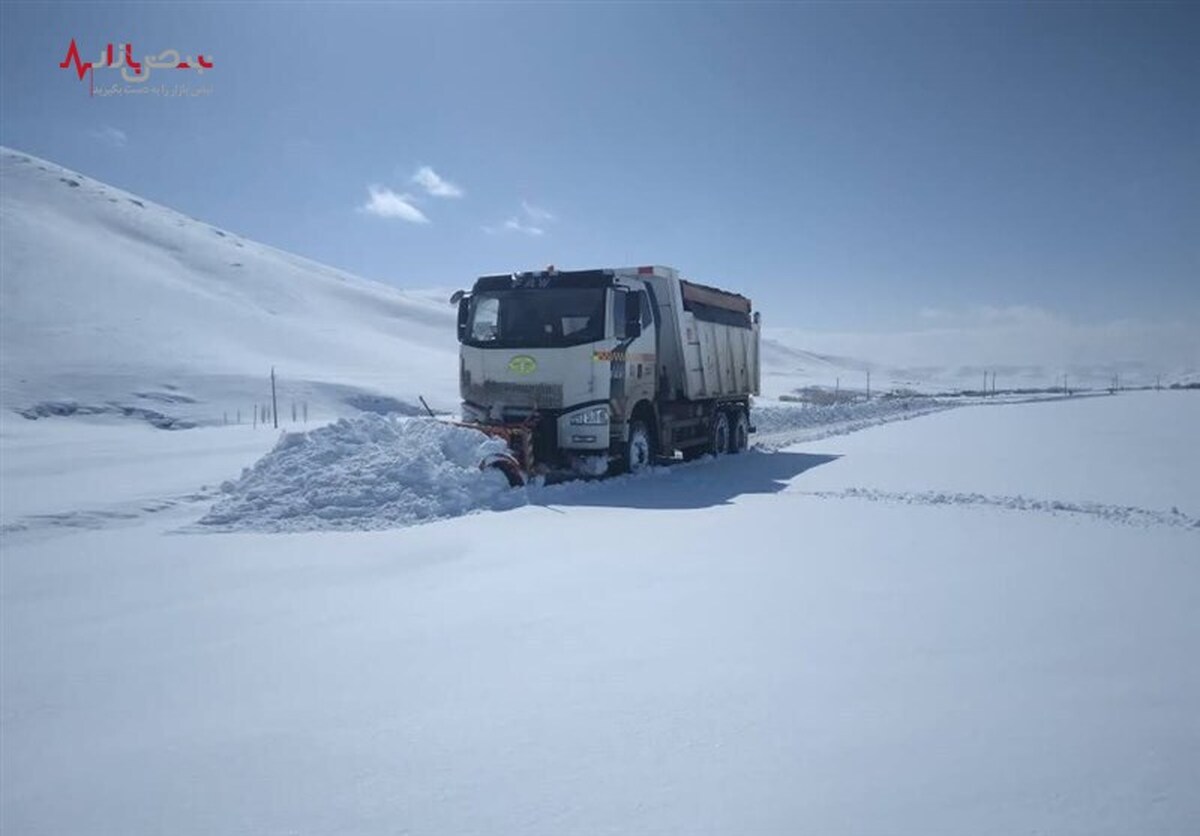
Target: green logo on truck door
522	364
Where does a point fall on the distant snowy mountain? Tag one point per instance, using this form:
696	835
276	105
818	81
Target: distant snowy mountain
1024	356
111	302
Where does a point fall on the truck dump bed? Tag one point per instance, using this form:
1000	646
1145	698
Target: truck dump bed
720	343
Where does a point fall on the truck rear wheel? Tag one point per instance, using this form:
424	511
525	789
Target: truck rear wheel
740	438
720	433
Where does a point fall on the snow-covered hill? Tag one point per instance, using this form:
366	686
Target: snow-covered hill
110	301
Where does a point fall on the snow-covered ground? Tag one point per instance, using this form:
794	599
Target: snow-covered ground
978	621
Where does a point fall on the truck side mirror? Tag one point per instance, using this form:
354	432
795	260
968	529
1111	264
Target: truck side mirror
464	313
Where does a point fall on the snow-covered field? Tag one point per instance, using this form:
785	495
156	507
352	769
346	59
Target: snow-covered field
978	621
896	615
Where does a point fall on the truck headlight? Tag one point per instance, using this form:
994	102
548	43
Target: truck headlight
595	415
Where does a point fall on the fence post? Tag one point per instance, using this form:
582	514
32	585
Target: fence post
274	402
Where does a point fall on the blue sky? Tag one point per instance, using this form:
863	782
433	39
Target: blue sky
851	166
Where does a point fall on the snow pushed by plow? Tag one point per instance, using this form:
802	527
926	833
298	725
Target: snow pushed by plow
370	472
378	472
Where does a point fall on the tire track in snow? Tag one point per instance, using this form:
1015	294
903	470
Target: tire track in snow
1120	514
125	513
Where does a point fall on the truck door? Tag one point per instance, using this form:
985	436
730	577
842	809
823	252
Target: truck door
634	358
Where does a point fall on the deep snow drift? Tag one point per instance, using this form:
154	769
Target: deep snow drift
365	473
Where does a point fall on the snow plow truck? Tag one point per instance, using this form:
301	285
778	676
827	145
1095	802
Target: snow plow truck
590	372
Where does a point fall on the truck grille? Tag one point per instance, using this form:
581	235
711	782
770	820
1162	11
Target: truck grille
540	395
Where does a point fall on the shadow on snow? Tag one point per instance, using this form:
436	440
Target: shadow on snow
695	485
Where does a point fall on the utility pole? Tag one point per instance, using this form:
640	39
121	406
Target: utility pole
274	403
868	384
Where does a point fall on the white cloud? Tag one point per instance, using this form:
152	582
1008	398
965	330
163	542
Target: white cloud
431	182
110	136
536	213
532	221
516	225
385	203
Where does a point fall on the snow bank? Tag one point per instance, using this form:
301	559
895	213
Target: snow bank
781	422
370	472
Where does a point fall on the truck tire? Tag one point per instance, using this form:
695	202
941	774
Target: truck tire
739	439
639	449
720	433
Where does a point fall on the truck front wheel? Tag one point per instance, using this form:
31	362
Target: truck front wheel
639	450
720	433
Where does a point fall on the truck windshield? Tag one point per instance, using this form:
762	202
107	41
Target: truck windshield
536	318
